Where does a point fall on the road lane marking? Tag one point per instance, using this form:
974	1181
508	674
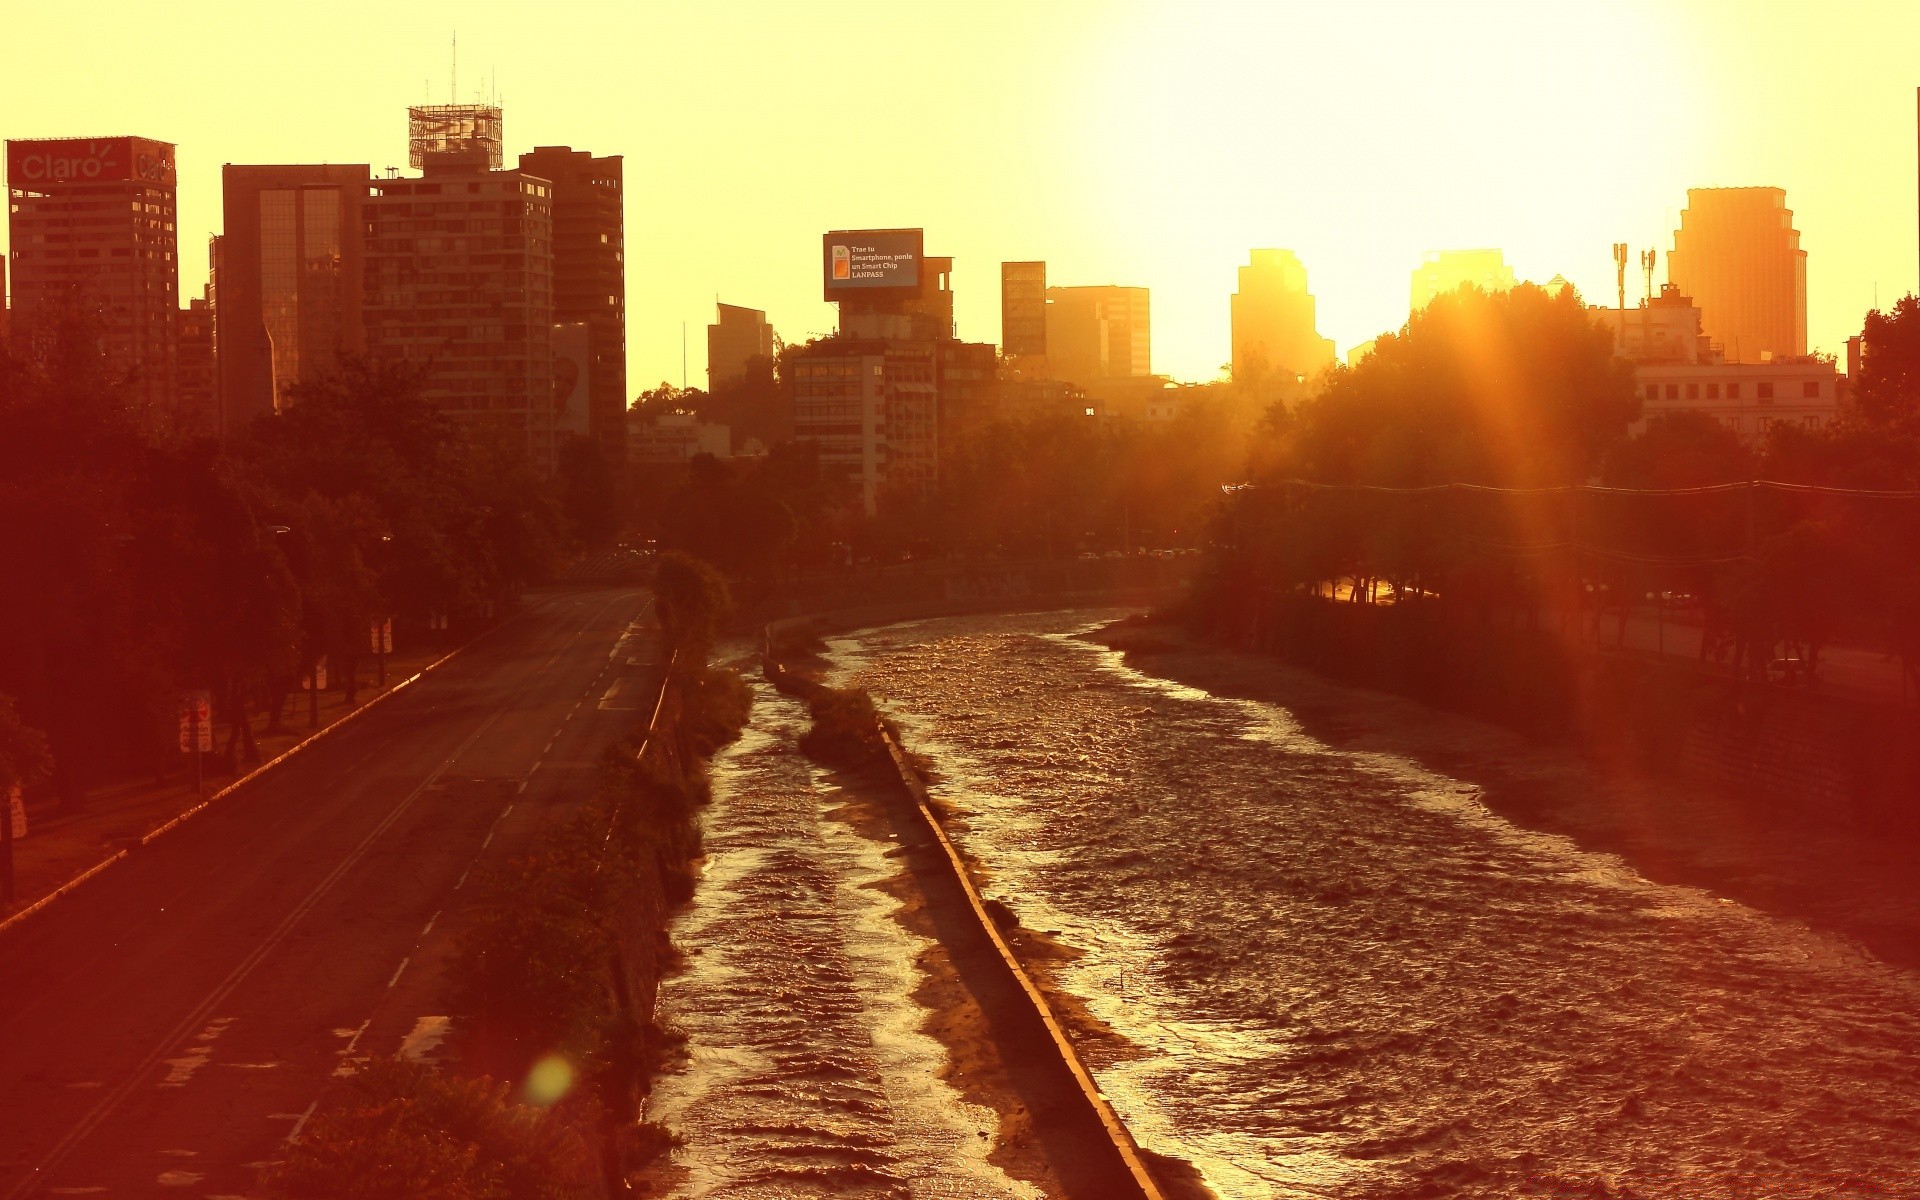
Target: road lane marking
397	970
237	976
429	927
428	1033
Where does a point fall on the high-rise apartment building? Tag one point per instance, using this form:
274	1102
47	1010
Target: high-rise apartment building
1274	331
92	229
590	277
290	278
737	337
1023	309
195	412
459	277
1738	255
1444	271
1096	334
882	397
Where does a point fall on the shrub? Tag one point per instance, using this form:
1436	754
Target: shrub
411	1133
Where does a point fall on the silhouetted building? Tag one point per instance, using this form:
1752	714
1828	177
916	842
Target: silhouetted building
290	281
921	313
4	306
590	278
1023	309
737	337
459	280
969	387
1443	271
1738	255
92	229
667	439
196	411
1098	333
1747	398
1273	320
1665	329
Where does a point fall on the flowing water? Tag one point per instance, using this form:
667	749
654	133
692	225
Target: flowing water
806	1073
1343	976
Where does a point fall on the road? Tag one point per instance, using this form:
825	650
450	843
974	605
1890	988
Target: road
167	1028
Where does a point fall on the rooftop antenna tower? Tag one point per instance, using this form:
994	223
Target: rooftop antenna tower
1620	274
453	72
1646	270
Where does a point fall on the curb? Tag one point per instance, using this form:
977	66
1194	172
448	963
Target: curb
182	818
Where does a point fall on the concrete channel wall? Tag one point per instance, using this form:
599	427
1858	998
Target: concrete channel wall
1124	1172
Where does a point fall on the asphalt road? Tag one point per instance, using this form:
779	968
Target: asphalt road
166	1029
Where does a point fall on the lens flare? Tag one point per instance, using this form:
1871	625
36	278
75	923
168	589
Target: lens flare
549	1080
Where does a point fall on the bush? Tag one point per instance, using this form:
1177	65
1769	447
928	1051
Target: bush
411	1133
846	728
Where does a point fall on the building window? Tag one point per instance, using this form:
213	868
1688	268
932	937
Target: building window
1813	422
1810	390
1766	392
1713	391
1733	391
1693	391
1673	391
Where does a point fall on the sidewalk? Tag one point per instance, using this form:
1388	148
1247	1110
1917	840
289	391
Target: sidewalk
61	847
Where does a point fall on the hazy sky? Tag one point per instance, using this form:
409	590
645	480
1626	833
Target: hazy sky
1123	141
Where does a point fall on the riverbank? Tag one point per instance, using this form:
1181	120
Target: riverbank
1777	858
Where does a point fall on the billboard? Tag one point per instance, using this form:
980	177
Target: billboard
89	160
862	260
572	357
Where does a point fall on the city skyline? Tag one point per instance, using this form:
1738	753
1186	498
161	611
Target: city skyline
1200	155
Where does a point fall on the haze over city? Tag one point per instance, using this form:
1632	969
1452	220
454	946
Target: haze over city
1077	600
1123	142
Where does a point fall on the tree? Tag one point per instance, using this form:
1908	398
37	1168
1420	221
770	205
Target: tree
691	597
1680	450
1887	393
1513	388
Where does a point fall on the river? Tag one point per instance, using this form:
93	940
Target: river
805	1073
1340	974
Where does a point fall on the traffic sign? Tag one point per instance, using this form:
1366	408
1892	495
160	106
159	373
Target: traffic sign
196	722
381	635
18	808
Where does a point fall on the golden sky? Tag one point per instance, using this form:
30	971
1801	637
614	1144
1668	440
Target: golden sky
1123	141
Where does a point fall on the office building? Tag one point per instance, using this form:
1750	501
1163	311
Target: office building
1747	398
1738	255
737	337
93	237
290	277
590	277
196	410
1097	334
672	438
459	278
1665	329
1443	271
1023	309
1274	331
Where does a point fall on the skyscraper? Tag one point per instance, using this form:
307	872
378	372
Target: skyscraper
1099	333
1443	271
459	277
590	277
93	236
1023	309
1274	329
1738	255
737	337
290	278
